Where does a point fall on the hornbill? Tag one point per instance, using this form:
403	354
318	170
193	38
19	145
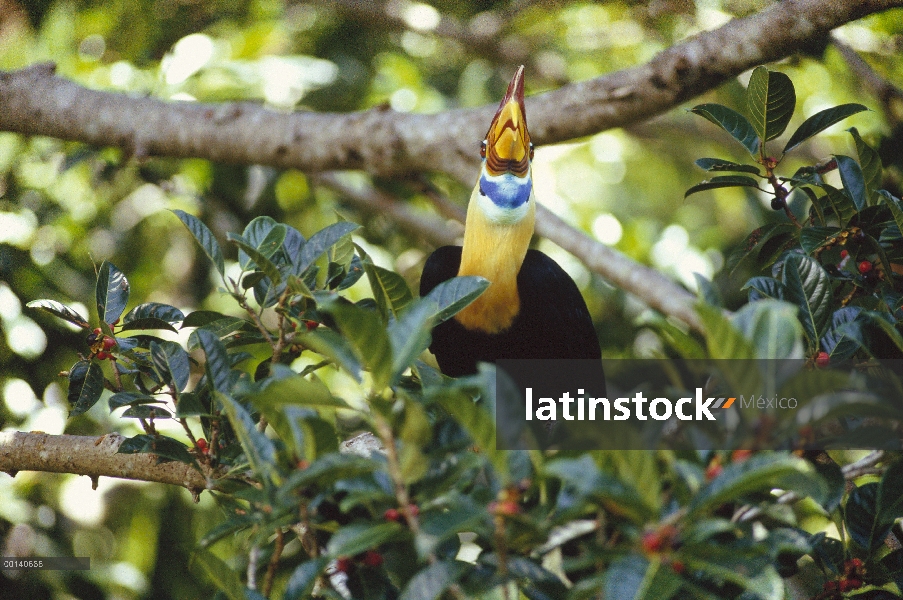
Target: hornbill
532	308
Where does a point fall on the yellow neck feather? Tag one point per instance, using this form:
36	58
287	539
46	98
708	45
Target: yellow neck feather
495	251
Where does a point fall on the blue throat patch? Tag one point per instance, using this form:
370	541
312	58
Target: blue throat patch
506	190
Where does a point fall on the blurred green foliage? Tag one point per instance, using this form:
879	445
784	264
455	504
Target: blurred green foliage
66	207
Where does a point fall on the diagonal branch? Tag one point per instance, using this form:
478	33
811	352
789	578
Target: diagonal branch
91	456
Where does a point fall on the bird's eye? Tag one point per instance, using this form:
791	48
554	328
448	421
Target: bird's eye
531	150
483	149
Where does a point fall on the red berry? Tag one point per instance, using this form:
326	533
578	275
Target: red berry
391	514
413	510
830	586
504	508
311	325
865	266
108	343
678	566
102	355
652	542
343	565
846	585
823	359
302	464
115	322
740	455
372	558
202	445
844	254
97	331
714	470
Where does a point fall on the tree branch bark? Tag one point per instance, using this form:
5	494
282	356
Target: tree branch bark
91	456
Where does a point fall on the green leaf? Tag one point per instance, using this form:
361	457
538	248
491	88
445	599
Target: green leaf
335	347
894	203
723	181
199	318
763	243
217	365
409	335
129	398
732	122
154	310
263	234
296	391
303	579
146	411
707	290
869	162
584	482
222	576
853	180
764	287
390	290
367	334
172	364
813	238
773	328
358	537
320	242
135	445
258	448
770	100
761	472
634	577
112	292
60	310
263	263
841	203
890	494
861	515
148	323
453	295
205	239
165	448
189	405
808	286
720	164
432	581
723	339
821	121
85	386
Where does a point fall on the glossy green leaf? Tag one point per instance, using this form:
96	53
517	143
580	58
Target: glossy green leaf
583	482
320	242
112	292
205	239
835	342
813	238
841	204
60	310
335	347
172	364
821	121
146	411
455	294
258	448
121	399
895	205
390	290
217	571
358	537
199	318
217	365
724	340
853	180
764	287
635	577
189	405
254	233
723	181
761	472
135	445
762	243
85	386
165	448
410	335
432	581
773	327
861	515
808	286
367	334
869	162
260	260
148	323
770	101
297	391
154	310
732	122
303	579
720	164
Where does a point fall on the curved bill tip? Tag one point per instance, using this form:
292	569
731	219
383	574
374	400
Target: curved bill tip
515	92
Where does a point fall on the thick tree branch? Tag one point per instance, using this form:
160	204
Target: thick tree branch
91	456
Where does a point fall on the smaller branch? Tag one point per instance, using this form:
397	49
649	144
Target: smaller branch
420	225
890	96
274	562
86	455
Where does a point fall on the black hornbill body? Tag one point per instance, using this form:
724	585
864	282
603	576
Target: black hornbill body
532	308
